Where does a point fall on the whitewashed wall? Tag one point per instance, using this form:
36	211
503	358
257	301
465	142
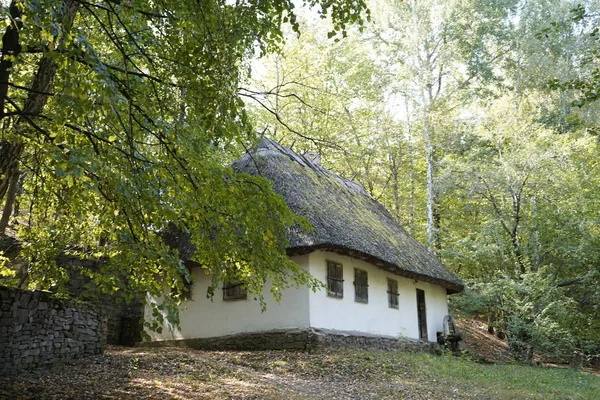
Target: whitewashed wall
375	317
302	308
202	318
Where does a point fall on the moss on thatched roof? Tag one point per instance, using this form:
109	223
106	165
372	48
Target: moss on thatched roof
345	218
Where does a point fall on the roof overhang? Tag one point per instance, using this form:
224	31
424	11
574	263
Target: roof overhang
451	287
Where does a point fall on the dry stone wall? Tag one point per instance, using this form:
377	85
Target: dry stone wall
38	330
124	319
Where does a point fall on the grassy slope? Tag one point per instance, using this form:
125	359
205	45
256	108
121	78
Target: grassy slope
189	374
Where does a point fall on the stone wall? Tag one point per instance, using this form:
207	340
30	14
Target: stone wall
37	330
125	320
305	339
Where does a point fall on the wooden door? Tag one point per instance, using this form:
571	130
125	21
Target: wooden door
422	314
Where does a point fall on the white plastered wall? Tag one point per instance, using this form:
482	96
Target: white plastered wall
375	317
301	308
202	318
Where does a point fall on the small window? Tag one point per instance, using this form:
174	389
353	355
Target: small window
392	293
335	279
234	291
361	286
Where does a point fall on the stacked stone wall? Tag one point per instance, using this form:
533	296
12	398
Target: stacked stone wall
38	330
124	319
304	339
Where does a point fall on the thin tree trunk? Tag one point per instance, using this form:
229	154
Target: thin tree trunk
182	104
395	158
9	163
411	173
11	48
536	234
514	236
514	221
437	223
429	162
10	200
395	188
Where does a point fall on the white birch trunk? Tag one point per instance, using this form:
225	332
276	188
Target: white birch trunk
429	163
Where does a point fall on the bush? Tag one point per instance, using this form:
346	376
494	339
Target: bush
540	317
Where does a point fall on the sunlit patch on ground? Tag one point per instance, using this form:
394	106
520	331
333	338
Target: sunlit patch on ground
169	373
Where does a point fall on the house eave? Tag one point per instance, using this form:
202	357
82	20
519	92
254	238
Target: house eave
451	287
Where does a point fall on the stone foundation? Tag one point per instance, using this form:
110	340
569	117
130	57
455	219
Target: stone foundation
303	339
37	330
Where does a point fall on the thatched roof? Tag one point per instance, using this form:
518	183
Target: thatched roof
345	218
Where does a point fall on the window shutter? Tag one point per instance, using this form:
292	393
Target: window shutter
234	291
361	286
392	293
335	279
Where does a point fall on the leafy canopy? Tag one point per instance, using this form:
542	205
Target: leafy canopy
122	117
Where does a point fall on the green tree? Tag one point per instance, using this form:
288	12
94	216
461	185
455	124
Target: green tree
441	55
521	229
119	118
448	117
329	98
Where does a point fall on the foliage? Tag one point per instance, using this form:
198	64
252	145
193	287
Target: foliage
475	122
120	118
585	17
539	316
460	117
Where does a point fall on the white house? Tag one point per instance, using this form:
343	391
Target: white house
380	281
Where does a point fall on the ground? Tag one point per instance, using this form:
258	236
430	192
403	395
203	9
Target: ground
480	343
176	373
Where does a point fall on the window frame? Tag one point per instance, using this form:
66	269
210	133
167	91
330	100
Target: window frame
234	291
393	295
334	273
361	286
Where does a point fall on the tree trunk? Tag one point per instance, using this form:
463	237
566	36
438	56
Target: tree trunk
515	240
411	170
10	200
11	48
536	235
395	182
437	224
9	164
429	162
12	152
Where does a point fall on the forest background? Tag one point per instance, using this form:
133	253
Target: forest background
475	122
472	122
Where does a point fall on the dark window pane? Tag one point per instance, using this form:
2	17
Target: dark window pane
361	286
392	293
335	279
234	291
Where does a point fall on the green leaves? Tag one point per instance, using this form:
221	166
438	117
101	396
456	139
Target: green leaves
513	161
135	128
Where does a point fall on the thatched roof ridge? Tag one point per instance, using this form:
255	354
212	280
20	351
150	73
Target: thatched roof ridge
345	218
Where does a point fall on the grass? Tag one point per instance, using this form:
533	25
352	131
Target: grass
505	381
175	373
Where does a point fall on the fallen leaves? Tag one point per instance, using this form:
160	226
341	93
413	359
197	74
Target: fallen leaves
179	373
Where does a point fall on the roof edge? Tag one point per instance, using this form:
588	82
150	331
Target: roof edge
451	287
